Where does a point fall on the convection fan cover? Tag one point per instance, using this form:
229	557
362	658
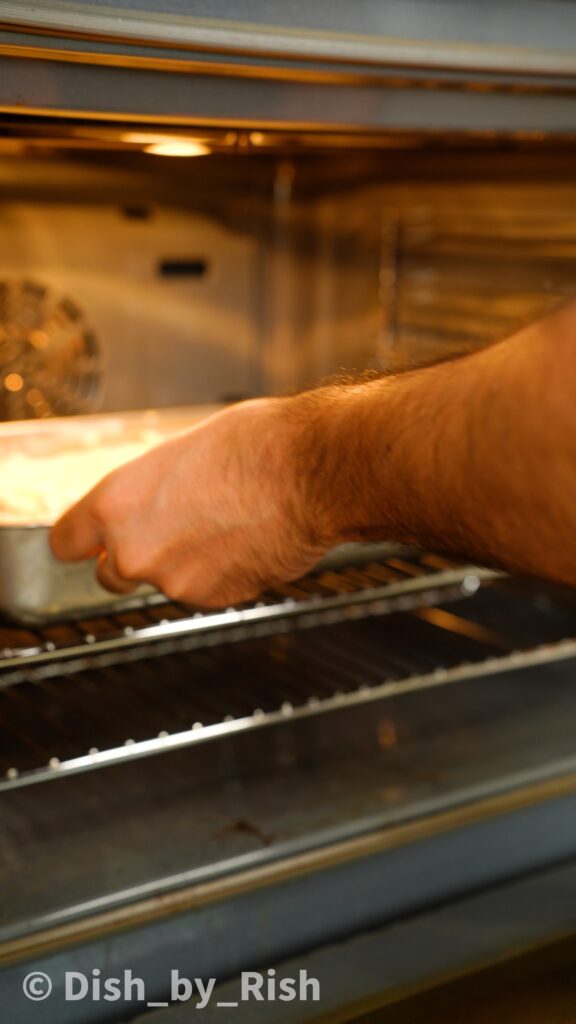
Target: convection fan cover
49	359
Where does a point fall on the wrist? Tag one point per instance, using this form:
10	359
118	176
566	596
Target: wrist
331	454
368	460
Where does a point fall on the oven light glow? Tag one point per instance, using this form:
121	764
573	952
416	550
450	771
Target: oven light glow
34	397
166	145
13	382
39	339
177	148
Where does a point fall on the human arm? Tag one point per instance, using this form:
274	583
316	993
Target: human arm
476	457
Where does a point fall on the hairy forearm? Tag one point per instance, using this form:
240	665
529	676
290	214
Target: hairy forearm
476	457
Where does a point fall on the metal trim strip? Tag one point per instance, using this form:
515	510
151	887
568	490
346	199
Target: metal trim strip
279	872
261	40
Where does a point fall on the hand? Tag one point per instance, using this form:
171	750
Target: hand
211	518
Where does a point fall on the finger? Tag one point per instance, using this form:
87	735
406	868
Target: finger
109	577
203	585
77	534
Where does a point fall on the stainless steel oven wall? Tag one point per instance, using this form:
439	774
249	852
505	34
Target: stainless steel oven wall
254	273
472	261
320	308
240	275
166	294
392	273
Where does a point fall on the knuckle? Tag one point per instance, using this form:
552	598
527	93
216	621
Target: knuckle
211	599
173	587
246	595
189	590
111	499
134	564
121	562
230	591
107	580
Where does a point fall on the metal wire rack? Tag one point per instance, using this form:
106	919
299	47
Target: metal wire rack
108	704
327	597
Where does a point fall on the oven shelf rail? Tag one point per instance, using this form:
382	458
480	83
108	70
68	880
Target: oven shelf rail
80	696
165	742
331	598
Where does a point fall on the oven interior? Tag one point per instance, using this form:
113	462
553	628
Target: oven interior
130	279
393	697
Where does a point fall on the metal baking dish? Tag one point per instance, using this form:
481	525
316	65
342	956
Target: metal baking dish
34	586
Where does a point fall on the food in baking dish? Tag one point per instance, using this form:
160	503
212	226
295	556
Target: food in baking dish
36	488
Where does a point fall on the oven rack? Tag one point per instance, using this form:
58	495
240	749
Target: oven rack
328	597
96	714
